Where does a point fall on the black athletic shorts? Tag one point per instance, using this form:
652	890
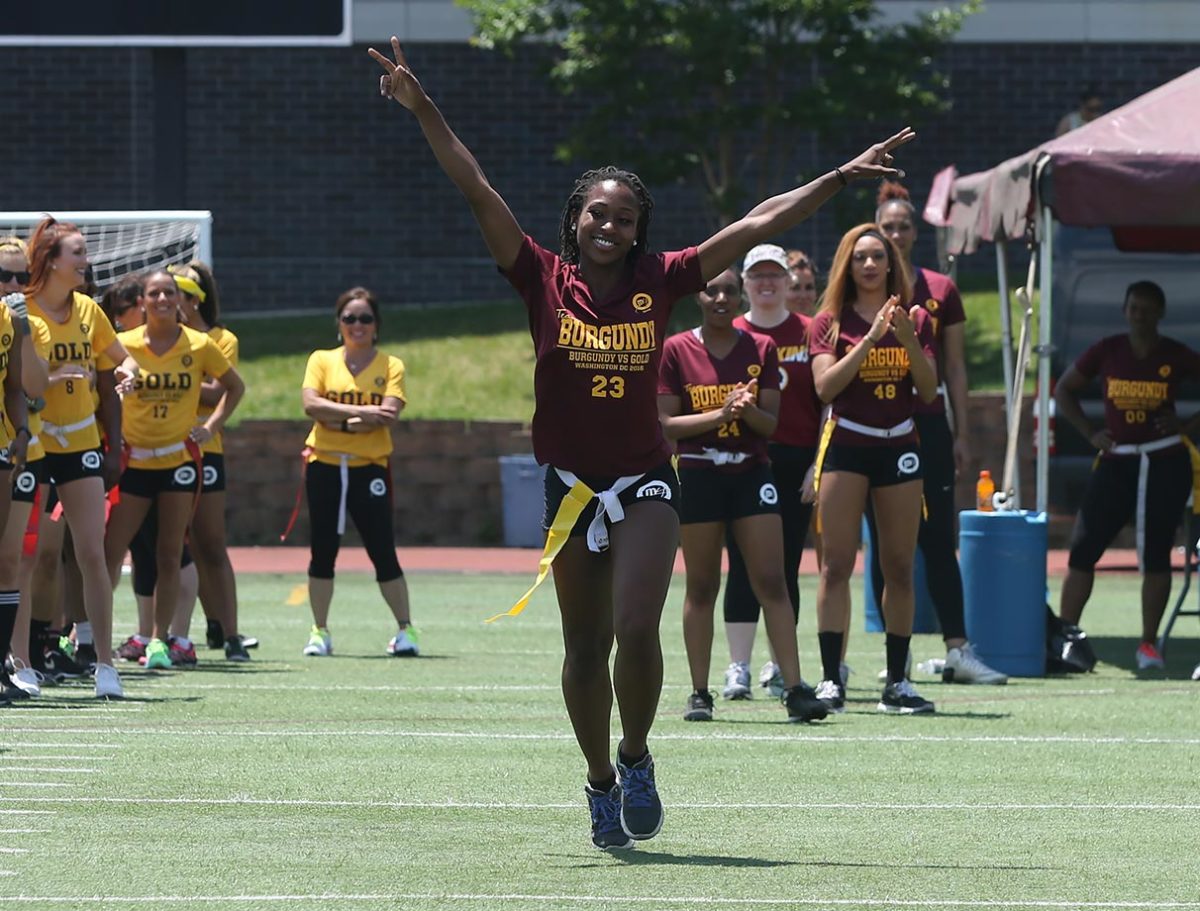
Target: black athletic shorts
659	483
214	472
709	494
65	467
26	481
883	464
149	482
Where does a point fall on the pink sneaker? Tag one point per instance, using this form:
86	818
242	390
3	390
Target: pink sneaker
1148	658
180	656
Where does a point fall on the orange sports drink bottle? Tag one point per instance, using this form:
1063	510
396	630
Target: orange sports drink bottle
984	491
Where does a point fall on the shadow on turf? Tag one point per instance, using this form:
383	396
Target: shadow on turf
1119	651
644	858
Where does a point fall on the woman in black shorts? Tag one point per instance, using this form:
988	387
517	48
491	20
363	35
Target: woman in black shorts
718	399
597	313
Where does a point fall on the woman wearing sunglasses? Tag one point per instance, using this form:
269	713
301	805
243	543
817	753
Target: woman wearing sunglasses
354	395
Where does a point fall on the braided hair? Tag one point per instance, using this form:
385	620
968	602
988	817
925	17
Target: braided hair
568	242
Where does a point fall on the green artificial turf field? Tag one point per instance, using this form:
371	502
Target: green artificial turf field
452	781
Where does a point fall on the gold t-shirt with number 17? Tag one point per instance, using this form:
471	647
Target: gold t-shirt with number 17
161	409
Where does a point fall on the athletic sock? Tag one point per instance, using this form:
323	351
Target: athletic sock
897	656
831	655
83	633
603	786
629	762
9	601
182	641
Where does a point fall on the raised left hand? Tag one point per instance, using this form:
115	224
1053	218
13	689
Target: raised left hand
877	160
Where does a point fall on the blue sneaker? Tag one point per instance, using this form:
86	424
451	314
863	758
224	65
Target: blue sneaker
607	834
641	810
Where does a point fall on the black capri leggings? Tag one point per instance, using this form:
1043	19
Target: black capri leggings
789	464
143	553
1117	492
936	538
368	505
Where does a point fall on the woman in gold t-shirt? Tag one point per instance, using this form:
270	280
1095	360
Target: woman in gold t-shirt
81	339
353	394
162	436
199	304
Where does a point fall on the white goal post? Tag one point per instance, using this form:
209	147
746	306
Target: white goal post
124	242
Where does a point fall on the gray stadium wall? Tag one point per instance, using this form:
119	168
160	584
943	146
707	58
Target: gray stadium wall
317	184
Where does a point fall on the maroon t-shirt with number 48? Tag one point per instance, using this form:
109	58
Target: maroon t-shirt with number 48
799	407
703	381
1137	391
881	393
595	381
938	296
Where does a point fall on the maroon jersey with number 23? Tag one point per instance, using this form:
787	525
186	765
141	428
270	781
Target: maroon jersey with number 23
595	381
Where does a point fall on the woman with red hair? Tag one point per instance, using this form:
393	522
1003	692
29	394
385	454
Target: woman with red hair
81	338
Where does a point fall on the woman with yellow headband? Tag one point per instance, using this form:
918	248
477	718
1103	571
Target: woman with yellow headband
80	469
200	306
163	439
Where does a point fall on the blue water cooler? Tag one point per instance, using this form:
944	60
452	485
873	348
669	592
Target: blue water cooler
924	618
1003	560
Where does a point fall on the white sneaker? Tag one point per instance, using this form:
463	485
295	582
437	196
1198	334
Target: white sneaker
770	679
29	680
108	682
404	644
963	666
1196	673
737	681
320	643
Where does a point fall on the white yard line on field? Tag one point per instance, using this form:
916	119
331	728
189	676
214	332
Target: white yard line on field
574	806
691	901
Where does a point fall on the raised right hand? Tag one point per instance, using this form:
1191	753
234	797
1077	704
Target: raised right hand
398	81
882	324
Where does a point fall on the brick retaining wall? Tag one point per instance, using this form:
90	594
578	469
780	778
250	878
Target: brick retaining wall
447	476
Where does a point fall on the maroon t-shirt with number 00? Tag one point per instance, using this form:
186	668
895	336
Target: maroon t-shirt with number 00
703	381
595	381
881	393
1137	391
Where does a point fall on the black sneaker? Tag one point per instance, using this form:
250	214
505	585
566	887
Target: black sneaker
215	636
59	665
802	704
699	706
902	699
235	650
85	657
641	809
833	694
607	834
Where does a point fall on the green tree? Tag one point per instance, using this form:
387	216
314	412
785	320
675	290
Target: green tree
720	91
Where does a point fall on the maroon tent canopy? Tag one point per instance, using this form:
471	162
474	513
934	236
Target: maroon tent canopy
1138	165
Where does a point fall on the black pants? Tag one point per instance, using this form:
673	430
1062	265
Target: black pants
936	539
368	505
789	464
1112	499
143	550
